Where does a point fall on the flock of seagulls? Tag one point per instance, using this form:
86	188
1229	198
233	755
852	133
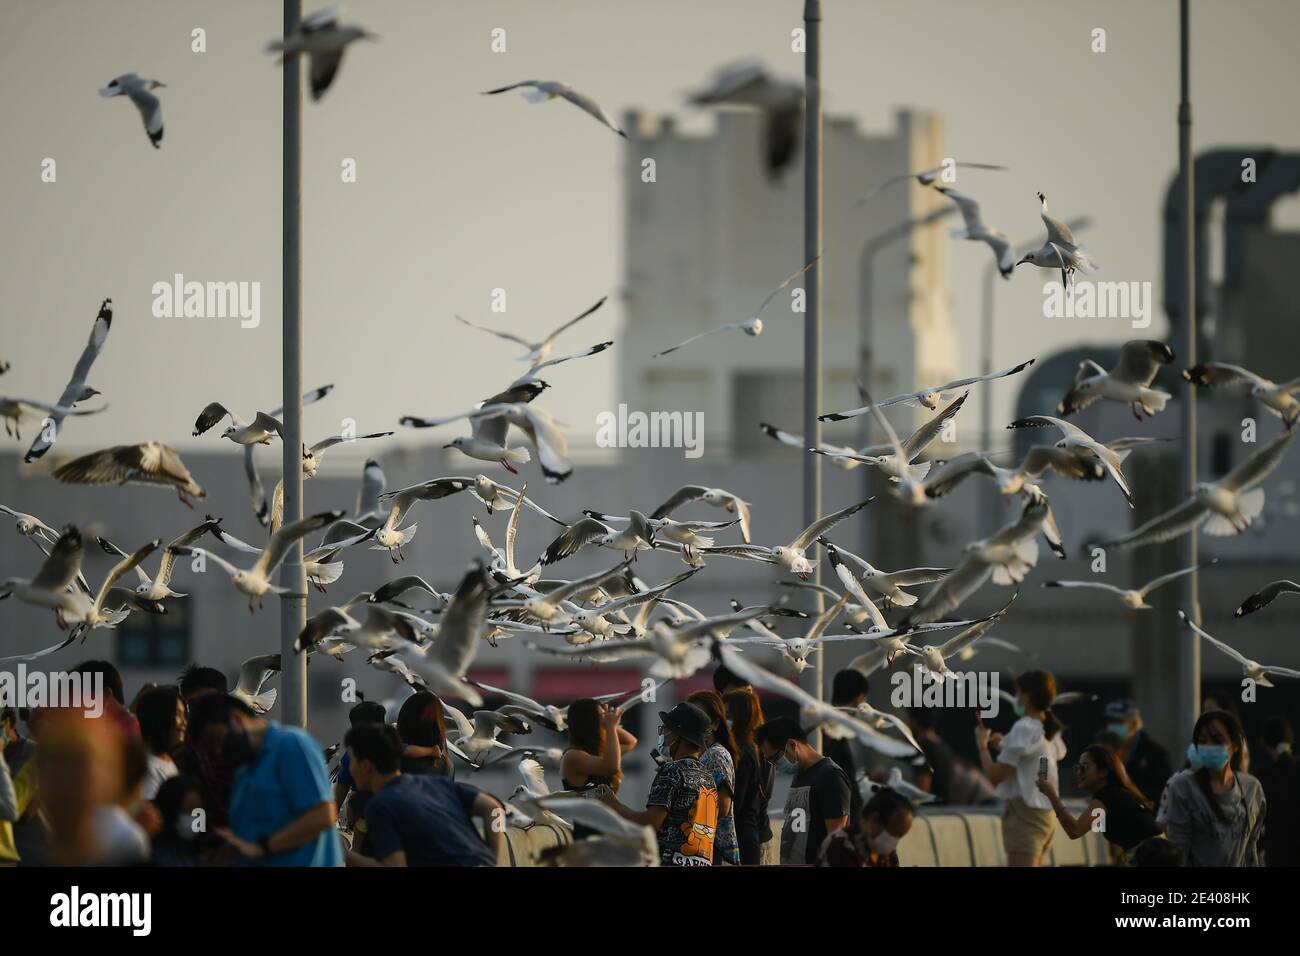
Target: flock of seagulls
429	639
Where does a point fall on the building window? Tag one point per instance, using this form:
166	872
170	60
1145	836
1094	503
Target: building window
156	640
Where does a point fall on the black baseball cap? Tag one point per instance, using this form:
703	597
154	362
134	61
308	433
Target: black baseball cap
688	722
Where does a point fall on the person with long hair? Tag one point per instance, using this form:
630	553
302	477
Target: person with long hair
1279	775
161	713
591	760
1213	809
423	731
1118	809
755	776
1033	743
719	759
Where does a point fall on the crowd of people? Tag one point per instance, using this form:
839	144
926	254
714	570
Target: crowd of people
190	775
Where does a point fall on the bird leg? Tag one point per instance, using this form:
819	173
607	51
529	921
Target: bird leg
509	467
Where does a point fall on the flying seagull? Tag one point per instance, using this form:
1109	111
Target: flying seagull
538	352
929	397
976	230
926	177
1078	442
1060	251
752	327
1257	672
1280	400
256	493
323	39
76	390
137	88
256	432
541	91
780	101
253	675
1135	599
1128	382
15	411
158	587
149	463
1225	507
716	497
793	556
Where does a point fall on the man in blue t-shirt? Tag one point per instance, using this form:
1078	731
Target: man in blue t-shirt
418	819
281	809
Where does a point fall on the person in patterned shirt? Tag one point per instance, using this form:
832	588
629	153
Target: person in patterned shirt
683	803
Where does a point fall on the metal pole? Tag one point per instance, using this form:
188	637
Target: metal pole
812	249
1189	657
293	606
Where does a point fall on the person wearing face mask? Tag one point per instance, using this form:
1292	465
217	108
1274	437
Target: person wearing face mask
682	806
886	818
1033	741
1214	810
1145	761
1117	809
1279	775
820	792
282	812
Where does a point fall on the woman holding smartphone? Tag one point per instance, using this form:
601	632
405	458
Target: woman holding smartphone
1117	809
1027	752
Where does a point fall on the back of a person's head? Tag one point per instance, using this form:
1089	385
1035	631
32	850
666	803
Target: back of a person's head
214	709
379	744
196	679
156	712
1158	851
724	680
420	720
886	803
779	731
110	675
848	685
367	712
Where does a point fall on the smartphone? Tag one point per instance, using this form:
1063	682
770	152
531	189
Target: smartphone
1042	768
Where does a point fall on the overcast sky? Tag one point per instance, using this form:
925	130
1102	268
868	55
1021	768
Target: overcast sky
457	194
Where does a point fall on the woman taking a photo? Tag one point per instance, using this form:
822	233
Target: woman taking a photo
754	776
1029	750
1117	810
719	758
1214	811
594	757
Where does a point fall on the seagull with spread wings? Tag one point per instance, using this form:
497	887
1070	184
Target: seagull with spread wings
715	497
1254	670
1078	442
76	390
793	556
1265	596
322	39
150	463
1281	400
1135	599
538	352
928	397
1128	382
542	91
139	91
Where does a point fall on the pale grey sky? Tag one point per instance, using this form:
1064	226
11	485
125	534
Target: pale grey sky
458	194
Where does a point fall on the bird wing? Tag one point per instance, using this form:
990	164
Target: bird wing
1166	578
1164	527
1102	585
508	336
121	568
678	498
62	564
212	413
373	483
1265	595
256	491
574	321
573	538
255	672
591	108
729	327
928	432
531	374
824	524
949	593
1140	359
1259	465
1058	232
940	481
968	207
1230	651
266	423
284	539
462	623
1212	374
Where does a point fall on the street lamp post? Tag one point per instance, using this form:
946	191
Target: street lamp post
293	603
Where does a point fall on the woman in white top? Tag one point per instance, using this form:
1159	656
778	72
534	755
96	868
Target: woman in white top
1028	822
161	712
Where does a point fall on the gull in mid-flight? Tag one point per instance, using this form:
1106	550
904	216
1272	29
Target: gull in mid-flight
138	89
76	390
841	456
253	675
753	326
389	538
322	38
1257	672
1060	251
1135	599
158	587
542	91
1078	442
150	463
256	581
793	556
443	663
976	230
256	493
538	352
488	432
15	411
1265	596
1281	399
1225	507
929	397
1005	556
256	432
926	177
935	659
717	497
780	101
1128	382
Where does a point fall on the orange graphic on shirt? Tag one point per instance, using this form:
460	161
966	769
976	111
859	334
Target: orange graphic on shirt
699	827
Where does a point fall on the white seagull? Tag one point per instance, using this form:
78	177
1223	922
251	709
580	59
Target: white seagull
138	88
1135	599
538	352
76	390
716	497
1078	442
976	230
793	556
322	38
1280	400
1257	672
150	463
1128	382
1265	596
256	432
541	91
780	102
1060	251
931	398
925	177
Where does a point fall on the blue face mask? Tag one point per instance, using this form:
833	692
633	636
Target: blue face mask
662	748
785	765
1209	756
1017	708
1119	730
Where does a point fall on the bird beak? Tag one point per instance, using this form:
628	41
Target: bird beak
1022	261
449	446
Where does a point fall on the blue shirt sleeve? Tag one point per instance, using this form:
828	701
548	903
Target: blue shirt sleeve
302	771
381	826
467	795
